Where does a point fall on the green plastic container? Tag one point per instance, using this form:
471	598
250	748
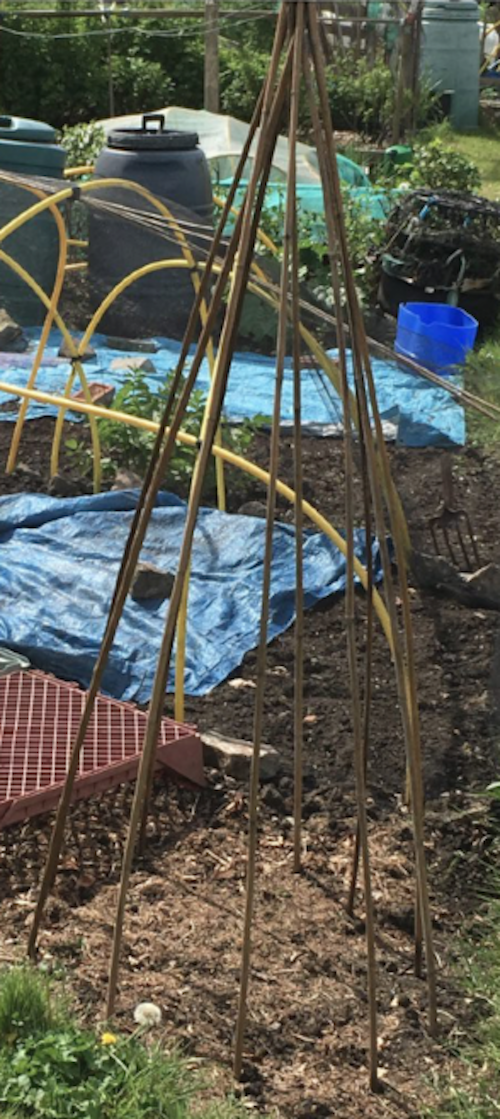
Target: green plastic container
28	147
398	155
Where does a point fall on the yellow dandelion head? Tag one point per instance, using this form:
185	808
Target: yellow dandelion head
108	1039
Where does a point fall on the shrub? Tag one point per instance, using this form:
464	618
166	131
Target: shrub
242	76
140	84
82	142
361	95
440	168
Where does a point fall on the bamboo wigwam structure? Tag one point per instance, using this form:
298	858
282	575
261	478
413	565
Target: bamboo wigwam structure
297	68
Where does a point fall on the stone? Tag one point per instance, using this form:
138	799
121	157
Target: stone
100	394
64	351
12	339
133	364
252	509
479	589
234	756
127	344
485	583
60	486
150	582
127	480
22	470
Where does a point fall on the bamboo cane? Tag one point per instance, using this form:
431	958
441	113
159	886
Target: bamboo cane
358	743
298	469
367	698
142	513
256	191
281	345
230	256
404	663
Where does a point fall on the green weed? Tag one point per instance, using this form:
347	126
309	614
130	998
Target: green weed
474	1093
131	447
26	1007
52	1069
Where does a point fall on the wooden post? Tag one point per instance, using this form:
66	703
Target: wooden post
405	80
211	99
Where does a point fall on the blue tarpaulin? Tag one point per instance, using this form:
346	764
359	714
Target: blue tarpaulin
58	566
419	414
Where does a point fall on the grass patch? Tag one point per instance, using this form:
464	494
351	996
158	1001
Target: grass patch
481	147
476	1094
26	1006
50	1068
482	377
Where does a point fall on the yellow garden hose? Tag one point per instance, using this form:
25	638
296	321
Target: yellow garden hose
49	318
42	295
75	172
101	184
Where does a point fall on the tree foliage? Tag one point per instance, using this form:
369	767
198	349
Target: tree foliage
159	62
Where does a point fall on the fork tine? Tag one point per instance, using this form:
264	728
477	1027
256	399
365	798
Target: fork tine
462	546
449	547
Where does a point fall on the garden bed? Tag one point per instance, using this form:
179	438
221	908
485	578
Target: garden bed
305	1049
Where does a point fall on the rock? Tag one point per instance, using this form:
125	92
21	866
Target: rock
480	589
22	470
126	480
234	755
99	394
273	799
127	344
12	339
151	582
133	364
252	509
64	351
60	486
486	583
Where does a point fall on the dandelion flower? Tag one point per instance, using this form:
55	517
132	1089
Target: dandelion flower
108	1039
147	1014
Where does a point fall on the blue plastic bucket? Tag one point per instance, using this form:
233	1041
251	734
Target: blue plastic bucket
435	335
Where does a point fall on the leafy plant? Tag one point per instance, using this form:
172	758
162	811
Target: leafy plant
365	234
82	142
52	1069
130	446
127	446
441	168
67	1074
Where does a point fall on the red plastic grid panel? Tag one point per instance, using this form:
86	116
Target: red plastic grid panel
39	719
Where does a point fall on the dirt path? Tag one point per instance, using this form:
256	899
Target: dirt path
305	1051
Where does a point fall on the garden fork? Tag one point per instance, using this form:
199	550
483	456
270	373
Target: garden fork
454	525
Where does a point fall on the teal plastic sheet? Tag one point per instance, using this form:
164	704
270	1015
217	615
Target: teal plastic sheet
375	203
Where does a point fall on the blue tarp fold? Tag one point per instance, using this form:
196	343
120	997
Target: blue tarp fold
58	566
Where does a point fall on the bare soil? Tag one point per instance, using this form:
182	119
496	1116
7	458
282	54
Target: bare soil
306	1041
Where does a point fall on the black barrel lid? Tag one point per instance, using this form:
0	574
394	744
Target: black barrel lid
149	139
